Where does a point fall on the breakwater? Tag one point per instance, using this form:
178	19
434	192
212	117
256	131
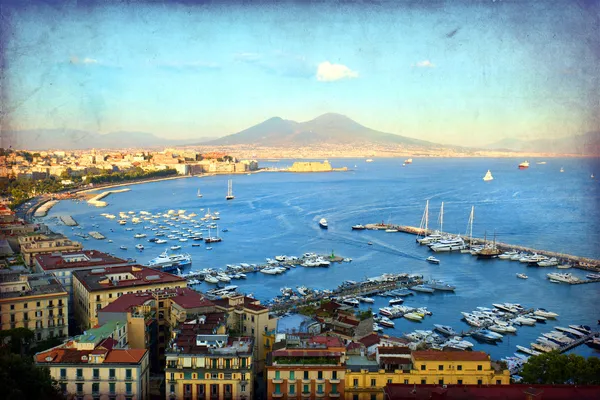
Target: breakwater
584	263
42	211
97	200
68	220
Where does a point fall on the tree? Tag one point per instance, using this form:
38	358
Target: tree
21	379
17	340
555	368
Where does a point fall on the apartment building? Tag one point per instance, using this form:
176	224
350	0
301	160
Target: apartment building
307	367
96	369
39	243
203	362
96	288
247	317
37	302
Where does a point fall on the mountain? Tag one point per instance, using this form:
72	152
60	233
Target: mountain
585	144
71	139
326	129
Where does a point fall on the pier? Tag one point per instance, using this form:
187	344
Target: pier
584	263
97	200
68	220
577	342
42	211
97	235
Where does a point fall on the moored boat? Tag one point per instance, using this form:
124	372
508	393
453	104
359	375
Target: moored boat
524	165
323	223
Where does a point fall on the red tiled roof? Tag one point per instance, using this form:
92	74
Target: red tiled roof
125	356
330	341
394	360
306	353
127	301
495	392
59	355
433	355
393	350
93	281
97	258
370	340
353	345
188	298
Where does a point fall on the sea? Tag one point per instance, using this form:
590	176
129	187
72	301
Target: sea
277	213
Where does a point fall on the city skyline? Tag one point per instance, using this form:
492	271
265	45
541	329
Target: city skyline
452	74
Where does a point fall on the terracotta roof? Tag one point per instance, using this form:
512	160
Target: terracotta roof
188	298
125	356
330	341
370	340
494	392
393	350
433	355
92	258
306	353
353	345
395	360
127	301
142	276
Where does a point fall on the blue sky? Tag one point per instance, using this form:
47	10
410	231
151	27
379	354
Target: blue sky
453	72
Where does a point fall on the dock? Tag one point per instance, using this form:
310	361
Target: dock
584	263
97	200
97	235
42	211
577	342
68	220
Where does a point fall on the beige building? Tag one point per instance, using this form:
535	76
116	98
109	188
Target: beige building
247	317
96	288
39	243
96	369
37	302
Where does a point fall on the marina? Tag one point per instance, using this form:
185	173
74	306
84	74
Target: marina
278	214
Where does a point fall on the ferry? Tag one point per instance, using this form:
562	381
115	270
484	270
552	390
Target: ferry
524	165
368	160
408	161
170	262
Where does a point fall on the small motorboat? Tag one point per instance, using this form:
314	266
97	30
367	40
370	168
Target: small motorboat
176	247
140	247
122	247
358	227
397	300
432	260
522	276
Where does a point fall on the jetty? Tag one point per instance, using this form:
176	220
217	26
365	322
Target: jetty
97	235
577	342
42	211
68	220
584	263
97	200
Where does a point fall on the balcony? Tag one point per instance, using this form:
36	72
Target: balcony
334	395
320	381
277	380
276	395
306	381
306	394
336	380
320	394
79	378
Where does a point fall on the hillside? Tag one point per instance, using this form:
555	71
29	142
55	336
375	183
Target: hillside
585	144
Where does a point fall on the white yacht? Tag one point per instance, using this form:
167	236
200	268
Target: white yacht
456	243
211	279
323	223
176	247
140	247
170	262
562	277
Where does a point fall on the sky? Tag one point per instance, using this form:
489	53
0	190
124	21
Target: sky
455	72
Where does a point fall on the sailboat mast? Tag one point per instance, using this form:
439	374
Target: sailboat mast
471	227
442	218
426	217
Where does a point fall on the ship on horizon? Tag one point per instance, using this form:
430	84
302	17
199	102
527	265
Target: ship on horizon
524	165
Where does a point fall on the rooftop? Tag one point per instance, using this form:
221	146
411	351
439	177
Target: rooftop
65	355
433	355
96	335
76	259
123	277
128	301
188	298
32	285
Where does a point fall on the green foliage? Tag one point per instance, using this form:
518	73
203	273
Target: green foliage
23	189
21	379
306	360
362	315
555	368
106	176
16	340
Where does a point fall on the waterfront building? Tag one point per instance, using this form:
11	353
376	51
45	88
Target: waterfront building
40	243
340	320
62	265
247	317
37	302
203	362
307	367
94	368
96	288
151	316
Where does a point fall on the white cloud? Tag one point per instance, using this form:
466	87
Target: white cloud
89	61
327	72
424	64
77	60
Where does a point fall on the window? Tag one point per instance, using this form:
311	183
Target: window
277	375
373	397
355	383
389	381
406	381
111	387
354	397
277	388
479	382
459	367
373	382
252	318
97	297
63	387
459	382
334	375
128	373
334	388
319	388
320	375
480	368
172	388
12	306
228	363
63	373
110	295
441	381
95	388
79	373
423	367
111	373
305	389
243	363
252	331
214	363
79	387
440	367
292	377
96	372
12	317
423	381
292	389
25	305
306	375
38	304
243	388
128	387
498	382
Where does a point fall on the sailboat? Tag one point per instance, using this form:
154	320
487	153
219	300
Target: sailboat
489	251
470	230
562	169
212	239
436	236
229	190
424	221
199	194
488	176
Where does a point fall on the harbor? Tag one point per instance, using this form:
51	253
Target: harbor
97	199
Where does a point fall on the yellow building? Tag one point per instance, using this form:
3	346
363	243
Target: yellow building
39	243
367	378
247	317
96	288
95	369
37	302
205	363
